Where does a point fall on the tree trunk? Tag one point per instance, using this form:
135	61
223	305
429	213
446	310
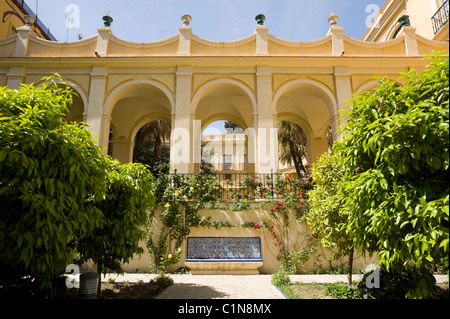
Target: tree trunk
297	160
350	266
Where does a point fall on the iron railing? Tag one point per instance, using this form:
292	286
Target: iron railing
250	186
440	18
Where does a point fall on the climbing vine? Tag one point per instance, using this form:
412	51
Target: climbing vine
180	198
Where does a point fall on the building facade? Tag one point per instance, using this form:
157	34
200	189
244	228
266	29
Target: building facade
192	82
253	82
429	17
14	14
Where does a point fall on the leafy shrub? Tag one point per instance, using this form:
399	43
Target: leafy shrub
281	278
393	285
342	291
162	281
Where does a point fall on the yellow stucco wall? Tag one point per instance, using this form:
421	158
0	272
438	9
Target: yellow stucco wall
296	237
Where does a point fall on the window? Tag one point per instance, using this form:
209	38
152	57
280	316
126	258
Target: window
227	162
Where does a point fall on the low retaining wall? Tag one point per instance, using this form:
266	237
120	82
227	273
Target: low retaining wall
295	237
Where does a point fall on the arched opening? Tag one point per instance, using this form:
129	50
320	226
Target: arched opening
312	108
224	148
219	102
152	146
131	108
293	149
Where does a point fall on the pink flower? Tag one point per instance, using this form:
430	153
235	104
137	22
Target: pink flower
287	178
270	187
251	179
245	195
278	203
300	203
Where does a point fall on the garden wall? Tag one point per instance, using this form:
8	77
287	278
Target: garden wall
295	237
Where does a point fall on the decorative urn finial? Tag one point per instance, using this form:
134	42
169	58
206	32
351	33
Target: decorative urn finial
107	20
260	18
186	20
333	19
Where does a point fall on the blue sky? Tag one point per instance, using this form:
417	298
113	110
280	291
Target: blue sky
218	20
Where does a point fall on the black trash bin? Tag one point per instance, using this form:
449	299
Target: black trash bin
88	285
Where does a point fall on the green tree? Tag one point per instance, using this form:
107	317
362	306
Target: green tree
51	173
129	197
293	142
151	148
395	155
326	218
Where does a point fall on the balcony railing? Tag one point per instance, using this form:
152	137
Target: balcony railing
440	18
235	186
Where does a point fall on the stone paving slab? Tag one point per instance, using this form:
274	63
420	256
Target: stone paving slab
231	286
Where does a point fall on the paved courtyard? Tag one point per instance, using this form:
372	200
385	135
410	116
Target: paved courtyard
230	286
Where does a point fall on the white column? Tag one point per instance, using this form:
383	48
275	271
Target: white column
343	89
23	33
102	41
410	38
97	121
185	36
180	140
262	46
266	132
337	36
15	77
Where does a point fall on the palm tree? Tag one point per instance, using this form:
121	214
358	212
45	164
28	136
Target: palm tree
292	140
149	143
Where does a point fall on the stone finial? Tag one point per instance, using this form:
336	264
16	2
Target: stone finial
260	18
29	20
404	20
333	19
186	20
107	20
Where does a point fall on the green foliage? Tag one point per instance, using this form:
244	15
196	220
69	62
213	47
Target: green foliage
51	174
162	281
396	183
326	218
128	198
340	290
394	285
281	278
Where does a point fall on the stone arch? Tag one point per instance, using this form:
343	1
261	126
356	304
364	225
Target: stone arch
212	85
367	86
112	97
78	109
312	106
130	106
225	99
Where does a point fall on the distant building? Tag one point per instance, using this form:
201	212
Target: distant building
13	15
429	17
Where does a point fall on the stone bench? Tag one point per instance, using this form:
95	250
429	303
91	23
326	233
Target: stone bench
224	255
